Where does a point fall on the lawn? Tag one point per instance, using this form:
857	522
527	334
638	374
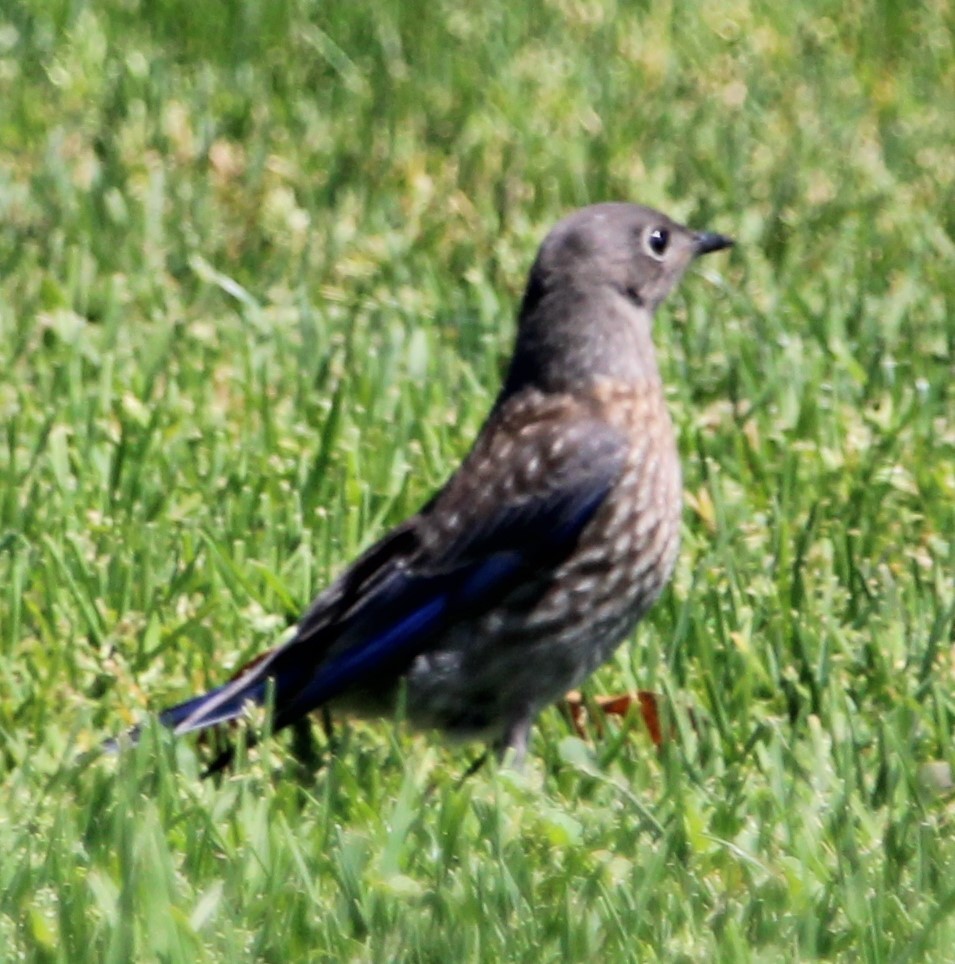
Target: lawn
259	264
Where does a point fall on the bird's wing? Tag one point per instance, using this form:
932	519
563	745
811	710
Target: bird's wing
516	507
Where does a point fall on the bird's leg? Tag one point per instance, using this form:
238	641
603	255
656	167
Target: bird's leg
328	726
515	739
304	748
303	745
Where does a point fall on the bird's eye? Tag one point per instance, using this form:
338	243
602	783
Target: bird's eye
657	241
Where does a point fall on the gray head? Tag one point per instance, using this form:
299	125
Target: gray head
592	291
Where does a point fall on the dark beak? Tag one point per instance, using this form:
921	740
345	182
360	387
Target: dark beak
707	241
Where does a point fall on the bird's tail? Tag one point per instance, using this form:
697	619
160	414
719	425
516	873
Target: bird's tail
215	707
220	705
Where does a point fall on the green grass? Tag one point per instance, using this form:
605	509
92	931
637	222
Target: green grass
258	269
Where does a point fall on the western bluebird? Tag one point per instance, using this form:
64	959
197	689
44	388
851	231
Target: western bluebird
547	545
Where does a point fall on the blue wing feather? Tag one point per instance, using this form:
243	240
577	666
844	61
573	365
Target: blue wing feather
394	604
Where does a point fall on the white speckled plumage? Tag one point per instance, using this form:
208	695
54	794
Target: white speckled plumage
626	557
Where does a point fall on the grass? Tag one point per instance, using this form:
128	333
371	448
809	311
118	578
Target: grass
258	265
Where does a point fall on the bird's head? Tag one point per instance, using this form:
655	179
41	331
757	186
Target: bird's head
632	250
591	294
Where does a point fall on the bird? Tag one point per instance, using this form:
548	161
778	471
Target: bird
542	551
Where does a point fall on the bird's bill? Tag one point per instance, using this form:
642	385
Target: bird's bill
707	241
